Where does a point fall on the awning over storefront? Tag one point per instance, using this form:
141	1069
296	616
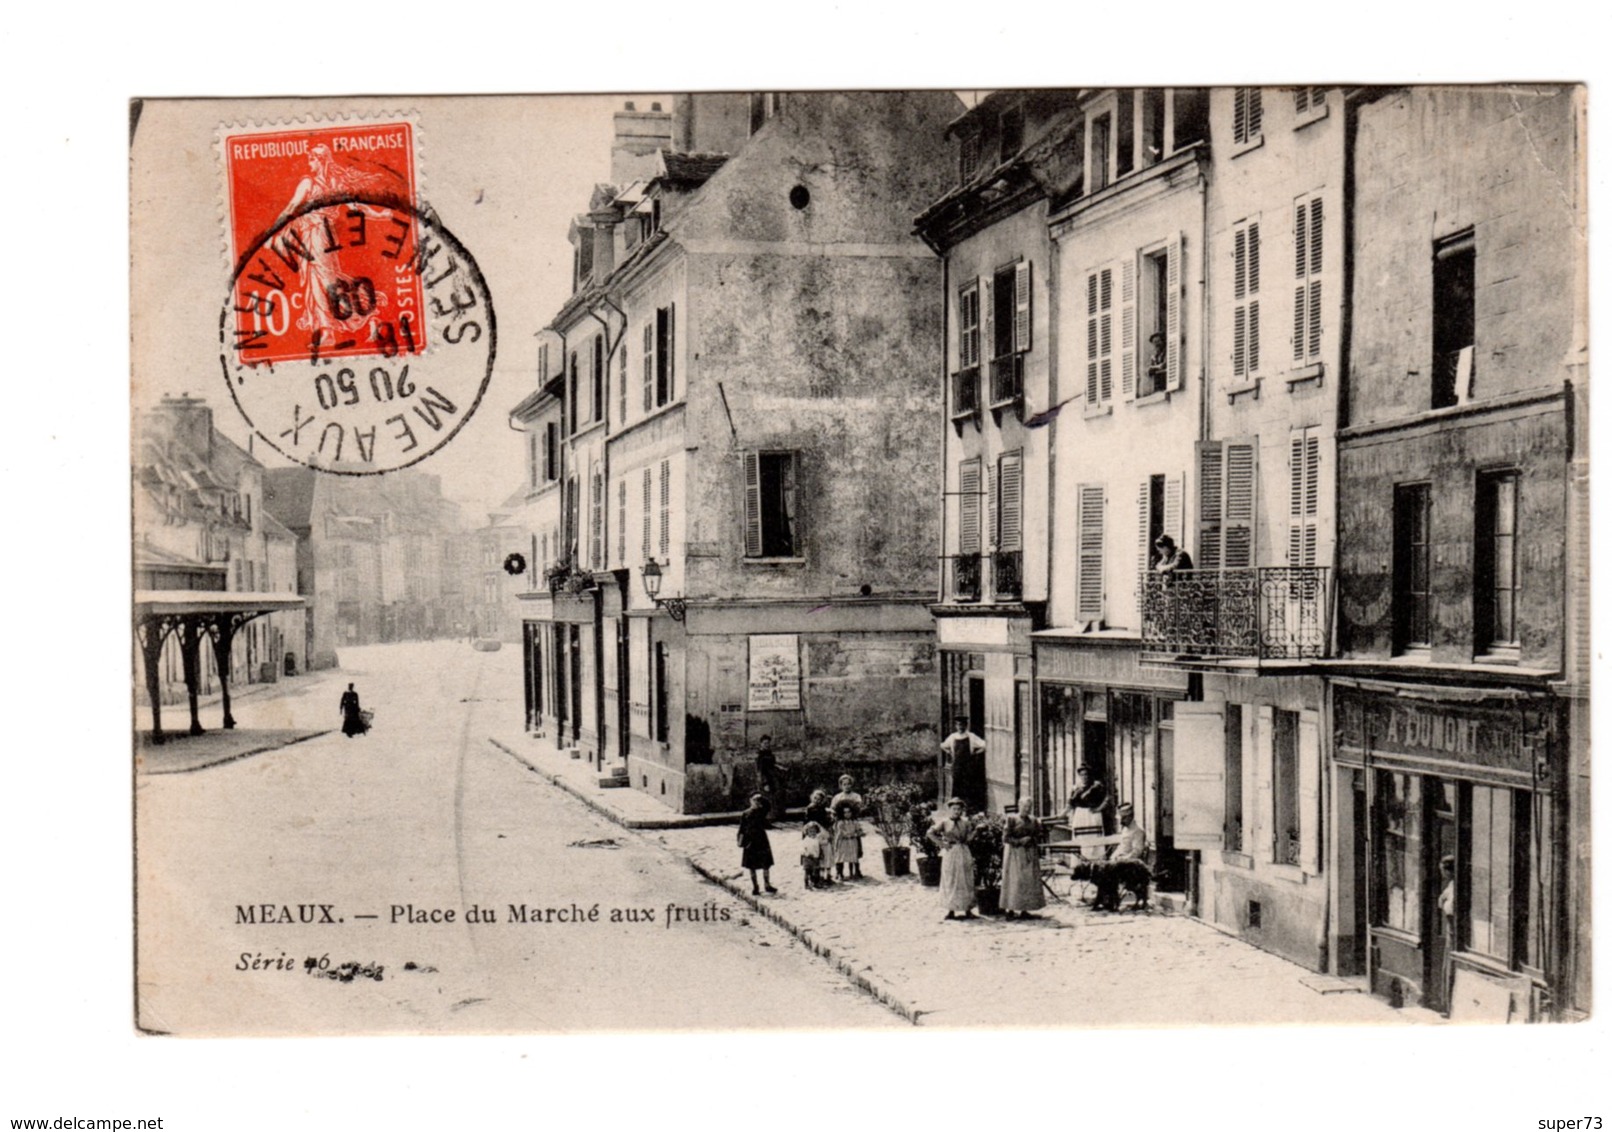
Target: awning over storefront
193	614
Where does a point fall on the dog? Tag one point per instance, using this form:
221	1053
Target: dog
1111	877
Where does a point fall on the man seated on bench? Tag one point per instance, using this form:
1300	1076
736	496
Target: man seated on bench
1126	866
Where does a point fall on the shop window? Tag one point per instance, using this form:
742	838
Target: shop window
1413	596
771	520
1285	789
1491	905
1398	867
1234	778
1454	320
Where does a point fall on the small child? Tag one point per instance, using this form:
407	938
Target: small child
811	854
847	843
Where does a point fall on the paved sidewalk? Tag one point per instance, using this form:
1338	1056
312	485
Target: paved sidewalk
1071	967
182	751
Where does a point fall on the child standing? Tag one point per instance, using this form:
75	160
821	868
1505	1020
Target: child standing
811	854
753	841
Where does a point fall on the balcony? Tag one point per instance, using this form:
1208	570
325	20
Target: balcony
1007	575
1007	384
966	575
1262	613
965	397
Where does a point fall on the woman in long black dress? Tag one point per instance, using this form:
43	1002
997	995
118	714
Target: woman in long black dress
352	716
753	840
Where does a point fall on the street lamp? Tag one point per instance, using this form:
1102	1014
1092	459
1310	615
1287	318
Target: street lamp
673	605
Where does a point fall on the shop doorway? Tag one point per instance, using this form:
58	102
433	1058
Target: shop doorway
1439	914
968	766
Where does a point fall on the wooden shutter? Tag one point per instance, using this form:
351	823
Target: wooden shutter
1089	554
1021	307
1127	326
649	365
596	519
788	502
1237	539
1211	489
1093	390
1010	510
648	487
987	317
621	391
1144	556
1174	488
1304	496
621	523
1245	293
1309	741
1200	775
1105	334
1308	250
665	509
1174	323
1259	836
968	504
752	505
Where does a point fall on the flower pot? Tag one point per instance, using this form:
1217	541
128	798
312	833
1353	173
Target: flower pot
898	861
989	901
929	871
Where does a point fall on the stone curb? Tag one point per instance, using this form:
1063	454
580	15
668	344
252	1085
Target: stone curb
239	755
862	978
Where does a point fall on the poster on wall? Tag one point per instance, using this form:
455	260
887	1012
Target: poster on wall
775	673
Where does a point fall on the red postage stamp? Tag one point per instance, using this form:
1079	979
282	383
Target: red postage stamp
326	282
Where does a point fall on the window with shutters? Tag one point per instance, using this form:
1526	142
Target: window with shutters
1008	563
1245	299
621	523
1247	115
970	535
1089	504
968	156
596	520
1151	334
1227	486
621	387
572	392
1454	320
534	467
968	326
665	509
1100	328
648	510
1304	496
1158	512
770	519
649	365
1010	330
1309	245
1495	578
1309	104
551	451
1413	562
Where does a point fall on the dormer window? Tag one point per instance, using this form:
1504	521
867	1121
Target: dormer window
1010	130
968	156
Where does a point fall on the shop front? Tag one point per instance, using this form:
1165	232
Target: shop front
985	683
1102	710
1448	799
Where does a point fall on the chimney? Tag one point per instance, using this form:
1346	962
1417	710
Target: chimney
190	421
640	135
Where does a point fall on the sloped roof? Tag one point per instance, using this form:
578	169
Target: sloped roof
288	495
687	169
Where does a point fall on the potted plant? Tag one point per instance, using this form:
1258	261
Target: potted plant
985	843
891	805
919	817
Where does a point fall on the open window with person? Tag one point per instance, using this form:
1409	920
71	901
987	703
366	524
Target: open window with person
770	509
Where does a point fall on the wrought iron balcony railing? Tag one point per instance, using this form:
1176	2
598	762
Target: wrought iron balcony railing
966	577
1007	575
966	392
1263	613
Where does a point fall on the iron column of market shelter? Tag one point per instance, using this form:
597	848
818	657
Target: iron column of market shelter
192	614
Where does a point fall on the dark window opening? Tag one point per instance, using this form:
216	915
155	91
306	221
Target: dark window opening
1191	117
1413	597
1454	261
1285	788
1495	577
1152	126
1097	175
1125	134
1155	518
1234	778
665	360
571	394
777	471
598	379
662	731
1002	312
